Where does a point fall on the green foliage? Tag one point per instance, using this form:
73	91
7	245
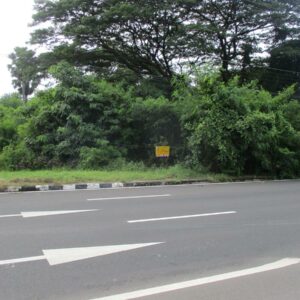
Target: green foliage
233	31
120	68
10	119
95	158
11	100
16	157
80	112
142	36
211	125
129	172
7	126
292	113
284	67
240	129
159	37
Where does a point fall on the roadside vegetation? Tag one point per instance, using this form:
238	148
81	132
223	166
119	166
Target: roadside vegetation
237	114
129	174
90	124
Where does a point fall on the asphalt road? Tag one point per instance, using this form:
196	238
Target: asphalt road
210	242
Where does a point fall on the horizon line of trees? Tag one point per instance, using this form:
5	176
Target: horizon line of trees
156	41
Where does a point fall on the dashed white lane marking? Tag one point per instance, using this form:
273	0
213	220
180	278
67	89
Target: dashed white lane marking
33	214
130	197
183	217
202	281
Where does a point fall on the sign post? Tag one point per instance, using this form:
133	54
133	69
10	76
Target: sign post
162	153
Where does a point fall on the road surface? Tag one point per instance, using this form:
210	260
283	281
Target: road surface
207	241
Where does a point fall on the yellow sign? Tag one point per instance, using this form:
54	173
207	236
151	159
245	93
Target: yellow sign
162	151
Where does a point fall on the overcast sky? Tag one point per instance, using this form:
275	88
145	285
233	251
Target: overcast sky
15	15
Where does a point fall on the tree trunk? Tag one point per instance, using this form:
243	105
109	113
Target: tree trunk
225	72
24	95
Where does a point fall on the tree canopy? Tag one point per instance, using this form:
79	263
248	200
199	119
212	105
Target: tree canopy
159	37
25	71
284	67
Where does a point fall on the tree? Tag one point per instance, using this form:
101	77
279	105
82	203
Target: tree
234	30
24	69
283	67
144	36
158	37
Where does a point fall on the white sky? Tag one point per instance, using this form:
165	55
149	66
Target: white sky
15	15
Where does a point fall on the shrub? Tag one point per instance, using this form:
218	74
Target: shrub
16	157
240	129
94	158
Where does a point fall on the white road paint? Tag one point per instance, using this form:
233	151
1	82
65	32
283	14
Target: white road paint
61	256
33	214
67	255
10	216
202	281
183	217
130	197
21	260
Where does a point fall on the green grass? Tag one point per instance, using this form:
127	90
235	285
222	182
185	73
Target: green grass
63	176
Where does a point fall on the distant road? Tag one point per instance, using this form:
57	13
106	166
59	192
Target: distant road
237	241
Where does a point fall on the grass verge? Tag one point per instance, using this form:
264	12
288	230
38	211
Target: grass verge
62	176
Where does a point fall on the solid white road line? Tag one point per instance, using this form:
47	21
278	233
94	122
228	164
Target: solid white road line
62	256
33	214
182	217
130	197
202	281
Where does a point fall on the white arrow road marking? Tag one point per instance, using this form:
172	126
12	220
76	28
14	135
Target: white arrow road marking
33	214
129	197
20	260
202	281
62	256
10	216
182	217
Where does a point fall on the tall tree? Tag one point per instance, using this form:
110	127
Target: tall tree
283	67
157	37
236	30
25	71
145	36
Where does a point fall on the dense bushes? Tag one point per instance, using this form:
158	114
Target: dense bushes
241	129
90	123
80	114
10	118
